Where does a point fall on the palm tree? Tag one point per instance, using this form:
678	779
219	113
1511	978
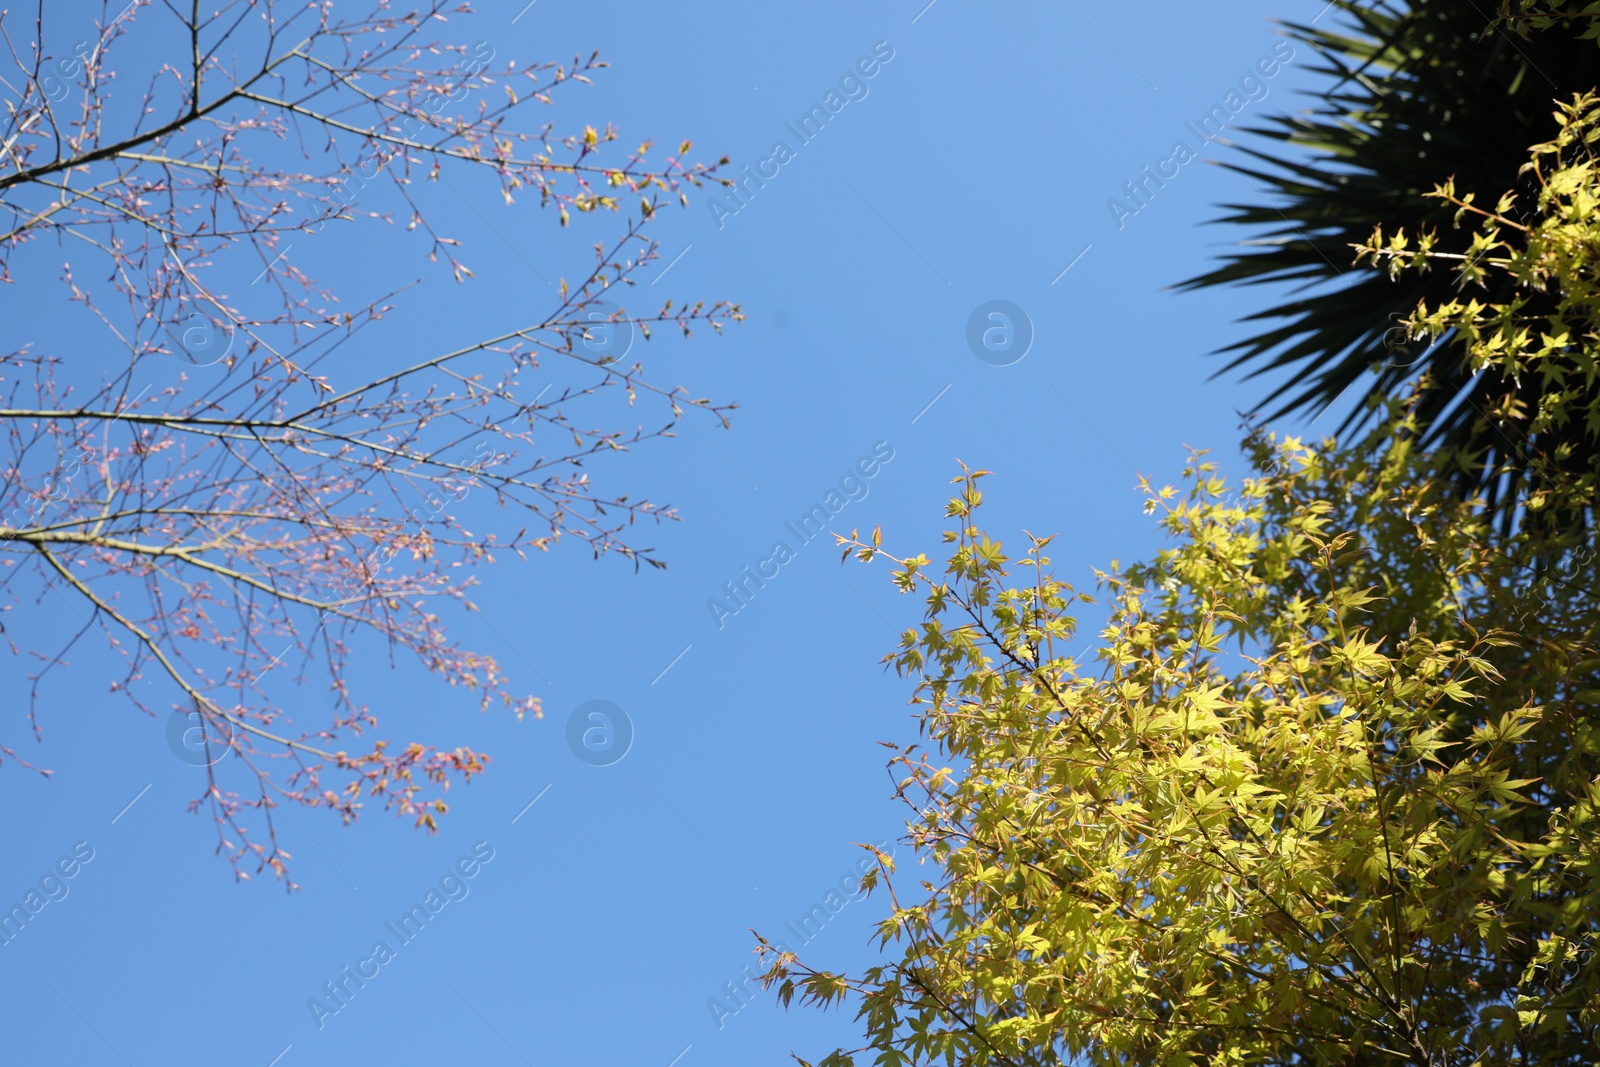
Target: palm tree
1415	94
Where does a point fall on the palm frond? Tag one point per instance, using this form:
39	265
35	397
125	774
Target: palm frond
1412	96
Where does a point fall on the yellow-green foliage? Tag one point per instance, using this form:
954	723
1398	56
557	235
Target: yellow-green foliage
1327	795
1547	331
1328	790
1526	17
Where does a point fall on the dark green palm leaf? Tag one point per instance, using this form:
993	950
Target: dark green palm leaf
1414	95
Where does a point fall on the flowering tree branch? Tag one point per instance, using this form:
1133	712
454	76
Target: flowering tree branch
226	497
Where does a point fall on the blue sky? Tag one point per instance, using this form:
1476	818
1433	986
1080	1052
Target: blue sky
974	165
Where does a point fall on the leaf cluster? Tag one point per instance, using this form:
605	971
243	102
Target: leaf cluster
1540	339
1326	796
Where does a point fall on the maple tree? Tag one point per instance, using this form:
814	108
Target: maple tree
1325	789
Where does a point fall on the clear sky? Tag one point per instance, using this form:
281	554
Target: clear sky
974	165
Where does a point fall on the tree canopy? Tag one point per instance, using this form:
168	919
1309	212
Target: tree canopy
1325	796
1325	787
